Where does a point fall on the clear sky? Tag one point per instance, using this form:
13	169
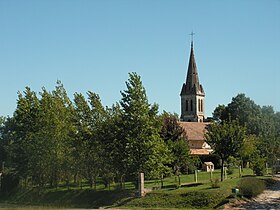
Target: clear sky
93	44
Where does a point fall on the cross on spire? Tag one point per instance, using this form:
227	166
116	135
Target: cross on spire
192	34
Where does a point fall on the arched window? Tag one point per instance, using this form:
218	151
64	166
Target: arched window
201	105
191	105
187	105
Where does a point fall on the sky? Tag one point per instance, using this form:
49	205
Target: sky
92	45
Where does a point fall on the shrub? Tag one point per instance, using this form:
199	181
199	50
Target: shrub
230	170
215	183
251	187
197	199
258	166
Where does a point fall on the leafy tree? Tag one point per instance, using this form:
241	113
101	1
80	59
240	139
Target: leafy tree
82	120
88	120
248	149
144	150
243	110
176	139
171	130
219	112
226	139
113	147
20	132
181	156
2	142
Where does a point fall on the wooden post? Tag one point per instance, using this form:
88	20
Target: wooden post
211	175
240	172
141	184
195	176
225	172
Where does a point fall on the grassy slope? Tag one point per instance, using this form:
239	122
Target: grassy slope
169	197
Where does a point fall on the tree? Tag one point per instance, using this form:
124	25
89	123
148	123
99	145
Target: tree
243	110
113	147
170	129
144	150
2	142
226	139
248	149
261	122
176	139
20	133
181	156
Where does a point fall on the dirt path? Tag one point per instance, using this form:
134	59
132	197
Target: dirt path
269	199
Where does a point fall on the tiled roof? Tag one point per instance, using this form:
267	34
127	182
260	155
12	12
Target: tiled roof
194	130
200	151
208	163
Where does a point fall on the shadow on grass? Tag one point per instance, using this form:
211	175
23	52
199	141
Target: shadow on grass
192	184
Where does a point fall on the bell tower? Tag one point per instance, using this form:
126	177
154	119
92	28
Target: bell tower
192	94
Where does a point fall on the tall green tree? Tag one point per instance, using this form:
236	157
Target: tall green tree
113	147
83	132
243	110
2	140
22	128
88	120
144	150
226	139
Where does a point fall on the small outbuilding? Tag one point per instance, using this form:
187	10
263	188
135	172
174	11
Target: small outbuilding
208	166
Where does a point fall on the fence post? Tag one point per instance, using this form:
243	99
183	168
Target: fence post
141	184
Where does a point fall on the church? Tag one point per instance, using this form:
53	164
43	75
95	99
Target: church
192	118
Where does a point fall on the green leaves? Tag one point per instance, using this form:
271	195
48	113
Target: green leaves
261	122
144	149
226	139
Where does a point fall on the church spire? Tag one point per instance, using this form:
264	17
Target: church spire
192	93
192	82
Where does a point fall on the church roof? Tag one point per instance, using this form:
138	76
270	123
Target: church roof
194	130
200	151
192	85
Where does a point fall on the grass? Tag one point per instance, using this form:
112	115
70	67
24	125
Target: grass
190	195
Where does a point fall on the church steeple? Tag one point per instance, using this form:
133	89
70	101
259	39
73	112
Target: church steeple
192	94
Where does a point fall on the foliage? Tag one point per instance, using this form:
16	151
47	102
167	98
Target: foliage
9	182
226	139
258	165
171	130
251	187
176	139
144	150
262	124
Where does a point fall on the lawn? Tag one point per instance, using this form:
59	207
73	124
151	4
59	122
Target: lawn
190	195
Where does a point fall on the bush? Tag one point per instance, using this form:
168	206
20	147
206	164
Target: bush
251	187
215	183
230	170
258	166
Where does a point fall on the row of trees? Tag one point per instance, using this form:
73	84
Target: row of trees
246	131
51	139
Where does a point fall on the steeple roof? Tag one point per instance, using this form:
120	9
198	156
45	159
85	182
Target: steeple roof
192	85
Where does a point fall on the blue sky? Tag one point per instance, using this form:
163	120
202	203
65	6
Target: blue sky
93	44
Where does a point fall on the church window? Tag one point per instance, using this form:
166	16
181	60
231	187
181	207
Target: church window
187	105
191	105
201	105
